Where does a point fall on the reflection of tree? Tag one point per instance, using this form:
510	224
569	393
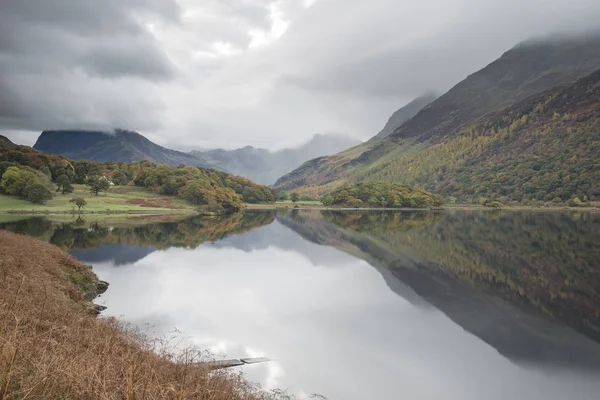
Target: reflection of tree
190	232
37	227
548	261
382	221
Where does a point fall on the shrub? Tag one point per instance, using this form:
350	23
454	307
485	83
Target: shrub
38	194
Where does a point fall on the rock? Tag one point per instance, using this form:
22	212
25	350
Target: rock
101	287
96	309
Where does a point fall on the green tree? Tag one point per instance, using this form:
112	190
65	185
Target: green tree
120	178
282	195
294	197
20	181
63	184
98	184
38	193
79	202
13	181
327	200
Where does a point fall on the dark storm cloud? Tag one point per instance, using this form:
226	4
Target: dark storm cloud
51	50
261	72
128	58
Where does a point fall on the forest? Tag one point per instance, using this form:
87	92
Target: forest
382	195
36	176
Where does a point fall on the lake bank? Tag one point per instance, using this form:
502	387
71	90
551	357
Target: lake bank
54	347
277	206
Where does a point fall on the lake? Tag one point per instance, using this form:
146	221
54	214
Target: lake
365	305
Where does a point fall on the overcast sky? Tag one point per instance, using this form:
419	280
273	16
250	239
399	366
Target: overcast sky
268	73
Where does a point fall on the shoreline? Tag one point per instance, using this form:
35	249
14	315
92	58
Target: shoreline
107	212
305	208
282	207
276	207
49	298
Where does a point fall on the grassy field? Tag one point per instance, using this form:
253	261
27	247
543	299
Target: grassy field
117	199
299	202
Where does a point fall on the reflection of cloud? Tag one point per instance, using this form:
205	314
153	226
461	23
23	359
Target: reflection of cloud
281	237
340	332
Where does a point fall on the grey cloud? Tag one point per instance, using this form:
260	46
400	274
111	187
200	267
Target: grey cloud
127	58
343	65
409	49
88	17
347	65
59	60
228	21
64	33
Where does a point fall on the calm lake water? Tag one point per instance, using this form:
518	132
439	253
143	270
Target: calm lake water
366	305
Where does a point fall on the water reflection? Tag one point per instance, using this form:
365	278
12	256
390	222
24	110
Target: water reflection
375	305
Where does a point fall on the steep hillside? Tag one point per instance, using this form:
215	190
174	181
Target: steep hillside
120	145
526	70
322	165
404	114
264	166
543	148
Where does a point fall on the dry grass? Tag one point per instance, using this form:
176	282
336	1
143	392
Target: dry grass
52	347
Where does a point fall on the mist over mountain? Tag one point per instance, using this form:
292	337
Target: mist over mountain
259	165
265	167
487	126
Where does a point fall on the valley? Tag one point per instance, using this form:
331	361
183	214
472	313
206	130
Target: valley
294	200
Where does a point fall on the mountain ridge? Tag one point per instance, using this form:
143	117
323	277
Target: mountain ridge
524	71
120	146
259	165
400	116
405	113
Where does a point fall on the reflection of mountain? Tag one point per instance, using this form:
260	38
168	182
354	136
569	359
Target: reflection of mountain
513	280
119	254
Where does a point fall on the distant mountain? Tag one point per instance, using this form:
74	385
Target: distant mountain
454	145
120	145
259	165
349	153
264	166
404	114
